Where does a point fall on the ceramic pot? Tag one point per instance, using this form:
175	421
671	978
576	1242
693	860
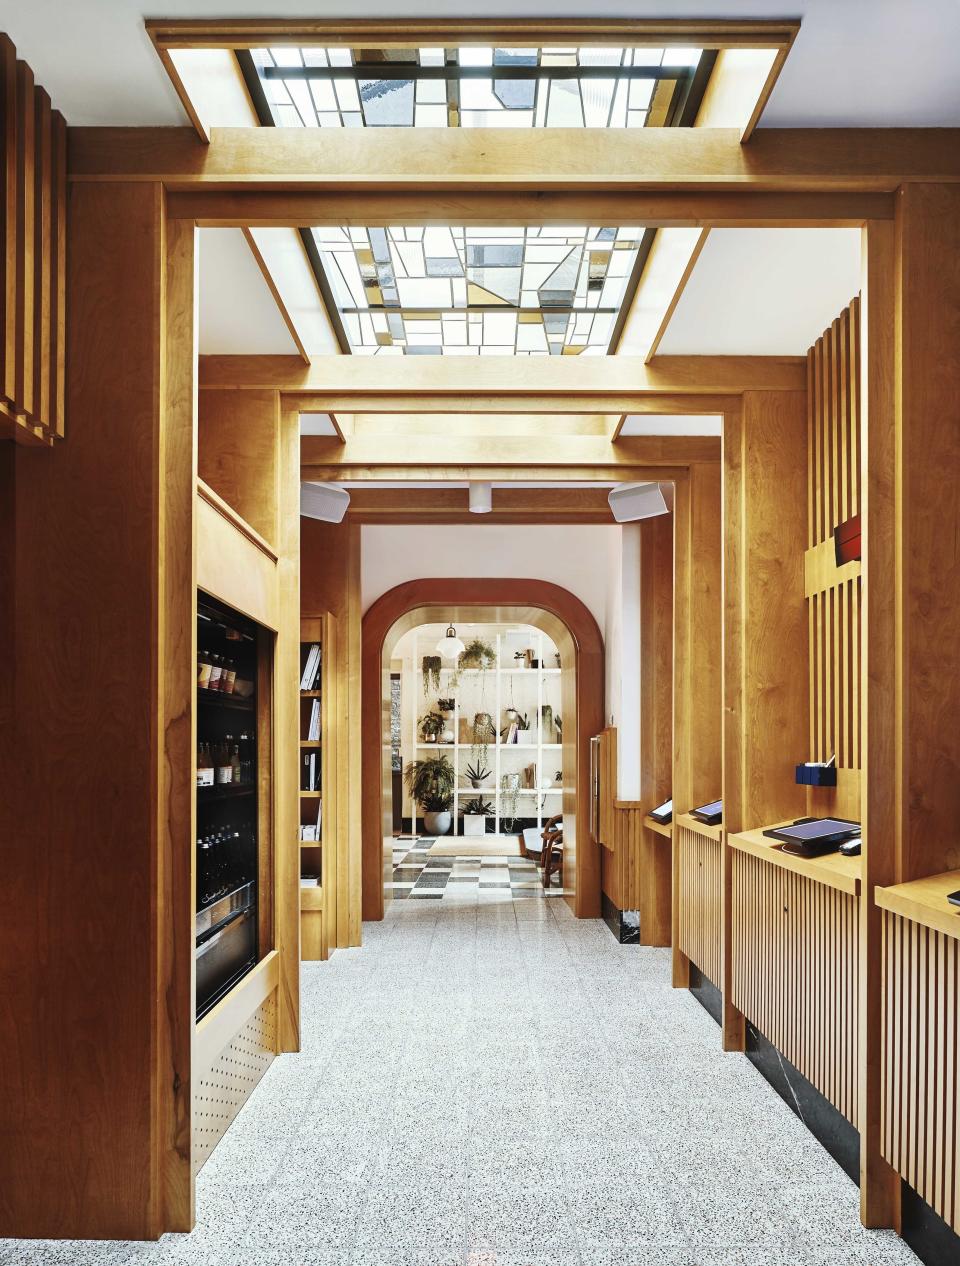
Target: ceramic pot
437	823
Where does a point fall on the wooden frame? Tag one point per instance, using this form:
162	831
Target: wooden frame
564	618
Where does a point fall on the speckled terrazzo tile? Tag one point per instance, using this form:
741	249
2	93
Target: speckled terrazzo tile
75	1252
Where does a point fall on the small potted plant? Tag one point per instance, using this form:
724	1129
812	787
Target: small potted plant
475	814
446	708
431	727
476	774
430	782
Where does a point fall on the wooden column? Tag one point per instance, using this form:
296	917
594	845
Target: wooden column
330	581
696	660
96	1021
765	629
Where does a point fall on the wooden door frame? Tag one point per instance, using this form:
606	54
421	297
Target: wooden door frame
535	597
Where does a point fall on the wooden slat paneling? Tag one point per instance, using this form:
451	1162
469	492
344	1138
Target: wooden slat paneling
33	193
700	900
921	1035
834	594
795	971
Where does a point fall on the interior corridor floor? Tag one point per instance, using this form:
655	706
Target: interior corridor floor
501	1085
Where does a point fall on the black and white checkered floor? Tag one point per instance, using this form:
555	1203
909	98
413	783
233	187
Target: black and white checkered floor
466	878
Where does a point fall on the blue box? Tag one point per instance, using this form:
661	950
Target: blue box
817	775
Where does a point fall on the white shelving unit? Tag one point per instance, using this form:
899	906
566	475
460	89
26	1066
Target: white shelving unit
494	690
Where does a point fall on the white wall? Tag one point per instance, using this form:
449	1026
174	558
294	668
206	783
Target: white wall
623	657
565	554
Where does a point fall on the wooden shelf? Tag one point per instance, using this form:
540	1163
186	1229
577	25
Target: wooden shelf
311	897
832	869
693	824
925	901
310	795
233	703
660	828
311	743
310	694
311	843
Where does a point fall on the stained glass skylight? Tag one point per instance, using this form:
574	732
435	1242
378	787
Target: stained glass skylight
478	291
473	87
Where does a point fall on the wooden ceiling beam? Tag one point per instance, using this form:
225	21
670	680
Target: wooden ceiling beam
458	457
544	161
449	505
497	384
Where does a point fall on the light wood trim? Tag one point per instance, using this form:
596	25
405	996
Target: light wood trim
203	132
832	870
449	505
215	207
689	823
218	1027
699	928
414	32
217	503
234	569
453	378
925	901
820	570
311	899
388	161
659	828
882	807
277	297
677	295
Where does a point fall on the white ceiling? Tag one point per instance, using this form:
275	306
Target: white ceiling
671	424
238	314
868	63
764	292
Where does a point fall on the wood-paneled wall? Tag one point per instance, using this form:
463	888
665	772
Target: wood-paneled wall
920	1127
834	594
33	193
795	971
701	892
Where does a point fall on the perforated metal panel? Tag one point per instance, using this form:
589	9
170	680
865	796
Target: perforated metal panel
223	1090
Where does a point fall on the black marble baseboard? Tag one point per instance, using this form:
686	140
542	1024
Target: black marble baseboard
706	993
933	1241
624	924
828	1126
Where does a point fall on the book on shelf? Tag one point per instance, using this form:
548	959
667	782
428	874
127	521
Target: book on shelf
309	881
310	677
313	735
310	834
310	771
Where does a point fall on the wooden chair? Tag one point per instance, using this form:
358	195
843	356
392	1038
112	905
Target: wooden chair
551	855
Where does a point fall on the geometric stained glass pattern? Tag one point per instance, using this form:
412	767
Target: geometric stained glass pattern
475	87
478	291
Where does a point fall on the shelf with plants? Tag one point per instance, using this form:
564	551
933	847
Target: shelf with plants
491	717
317	649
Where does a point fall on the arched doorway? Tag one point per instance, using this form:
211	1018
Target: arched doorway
546	606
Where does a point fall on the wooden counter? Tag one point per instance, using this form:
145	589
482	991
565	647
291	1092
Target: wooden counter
694	824
925	901
698	876
660	828
832	869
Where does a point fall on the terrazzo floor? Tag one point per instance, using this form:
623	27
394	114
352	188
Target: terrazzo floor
498	1084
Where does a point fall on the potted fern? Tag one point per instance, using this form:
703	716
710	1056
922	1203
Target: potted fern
431	782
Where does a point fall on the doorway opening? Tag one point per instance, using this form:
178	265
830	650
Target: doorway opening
476	739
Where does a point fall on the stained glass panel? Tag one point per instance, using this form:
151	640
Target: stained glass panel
461	87
478	291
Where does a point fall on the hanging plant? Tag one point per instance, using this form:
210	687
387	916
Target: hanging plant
509	800
477	654
484	733
431	673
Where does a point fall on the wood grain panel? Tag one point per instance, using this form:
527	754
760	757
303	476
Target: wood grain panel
834	595
920	1082
33	196
700	877
795	971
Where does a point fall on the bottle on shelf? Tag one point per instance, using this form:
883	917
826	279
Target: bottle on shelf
246	758
205	772
228	677
204	669
223	763
235	766
216	668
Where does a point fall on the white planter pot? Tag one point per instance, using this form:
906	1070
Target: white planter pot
474	824
437	823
